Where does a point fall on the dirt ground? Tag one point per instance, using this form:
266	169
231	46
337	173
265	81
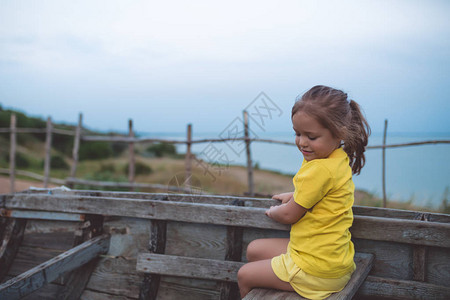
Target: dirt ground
20	185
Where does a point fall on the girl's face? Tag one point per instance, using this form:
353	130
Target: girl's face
312	139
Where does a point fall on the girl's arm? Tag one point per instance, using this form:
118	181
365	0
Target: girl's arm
284	197
286	213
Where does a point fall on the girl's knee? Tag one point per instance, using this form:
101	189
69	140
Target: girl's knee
254	250
243	274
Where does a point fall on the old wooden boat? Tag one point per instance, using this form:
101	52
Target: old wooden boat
71	244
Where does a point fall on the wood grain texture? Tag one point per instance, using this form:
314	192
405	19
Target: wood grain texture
29	257
402	289
172	290
268	294
249	202
196	240
49	240
188	267
115	283
438	266
385	229
50	270
392	260
93	295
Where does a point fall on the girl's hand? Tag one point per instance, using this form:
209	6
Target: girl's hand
284	197
268	212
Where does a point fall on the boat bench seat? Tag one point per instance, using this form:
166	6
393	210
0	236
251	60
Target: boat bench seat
221	270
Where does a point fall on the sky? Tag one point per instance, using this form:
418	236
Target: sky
165	64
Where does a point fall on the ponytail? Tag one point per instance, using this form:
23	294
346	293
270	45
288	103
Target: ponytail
356	139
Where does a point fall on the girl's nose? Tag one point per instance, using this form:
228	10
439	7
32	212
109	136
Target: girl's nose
301	141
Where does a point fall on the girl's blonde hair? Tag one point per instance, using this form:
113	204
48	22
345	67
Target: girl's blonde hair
331	108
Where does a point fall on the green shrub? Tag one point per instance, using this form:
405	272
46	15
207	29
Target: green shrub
22	161
63	143
95	150
139	169
161	149
118	148
57	162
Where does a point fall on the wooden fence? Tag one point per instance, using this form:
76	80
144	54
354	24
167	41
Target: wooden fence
131	140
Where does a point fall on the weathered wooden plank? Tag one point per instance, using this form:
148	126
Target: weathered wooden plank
172	290
148	209
12	236
46	292
249	202
387	229
203	284
227	270
50	270
200	268
29	257
392	260
269	294
208	199
363	262
94	295
113	282
48	240
50	226
78	278
402	289
403	231
438	266
196	240
40	215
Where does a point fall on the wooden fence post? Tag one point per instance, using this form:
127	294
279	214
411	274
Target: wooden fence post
48	148
188	160
131	158
383	171
76	147
12	154
249	157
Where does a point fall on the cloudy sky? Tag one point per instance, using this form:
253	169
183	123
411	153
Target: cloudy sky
168	63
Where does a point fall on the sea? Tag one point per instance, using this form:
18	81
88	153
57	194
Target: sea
419	175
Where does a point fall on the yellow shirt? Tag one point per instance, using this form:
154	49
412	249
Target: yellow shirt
320	242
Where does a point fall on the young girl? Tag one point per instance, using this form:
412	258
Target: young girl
317	259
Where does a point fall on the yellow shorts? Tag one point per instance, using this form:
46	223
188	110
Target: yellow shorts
306	285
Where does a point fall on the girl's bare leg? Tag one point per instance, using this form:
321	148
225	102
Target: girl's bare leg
266	248
258	272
